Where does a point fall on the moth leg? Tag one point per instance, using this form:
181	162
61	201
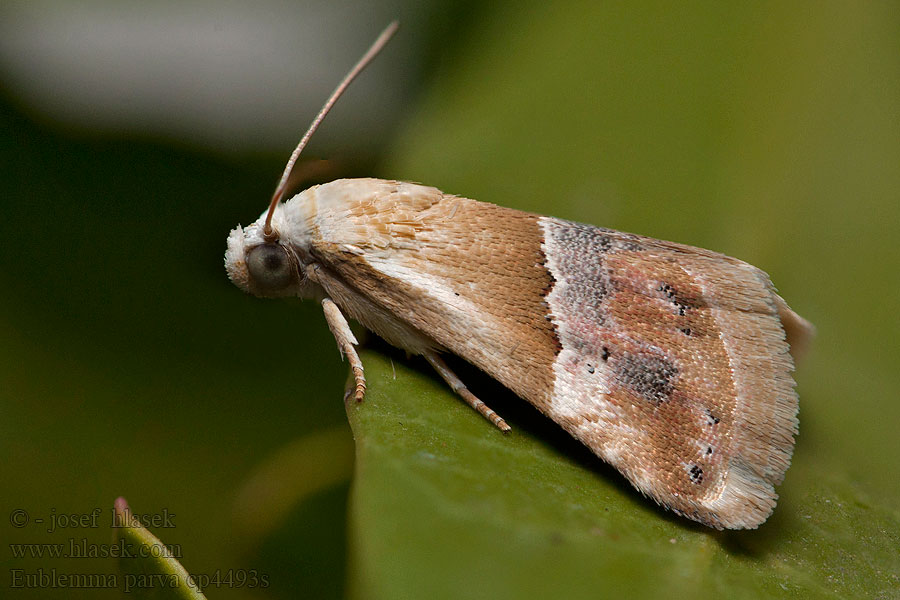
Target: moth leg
345	341
460	388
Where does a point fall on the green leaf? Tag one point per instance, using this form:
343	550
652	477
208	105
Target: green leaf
446	506
149	570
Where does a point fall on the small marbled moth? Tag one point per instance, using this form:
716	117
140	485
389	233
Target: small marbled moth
671	363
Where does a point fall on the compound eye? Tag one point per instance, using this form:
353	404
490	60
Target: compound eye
270	267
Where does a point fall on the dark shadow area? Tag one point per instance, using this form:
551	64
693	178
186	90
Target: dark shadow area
309	550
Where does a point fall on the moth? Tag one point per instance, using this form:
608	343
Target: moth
671	363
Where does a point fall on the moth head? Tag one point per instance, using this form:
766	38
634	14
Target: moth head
263	265
259	259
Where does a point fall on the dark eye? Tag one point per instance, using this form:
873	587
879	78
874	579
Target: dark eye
270	268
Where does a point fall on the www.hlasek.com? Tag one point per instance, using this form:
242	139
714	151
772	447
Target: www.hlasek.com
83	548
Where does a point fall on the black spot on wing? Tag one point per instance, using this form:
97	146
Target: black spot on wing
696	474
681	302
650	377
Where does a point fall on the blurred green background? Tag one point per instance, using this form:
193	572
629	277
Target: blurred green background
135	137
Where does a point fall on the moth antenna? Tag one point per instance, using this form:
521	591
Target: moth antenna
363	62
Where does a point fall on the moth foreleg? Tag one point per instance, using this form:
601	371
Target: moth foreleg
460	388
345	341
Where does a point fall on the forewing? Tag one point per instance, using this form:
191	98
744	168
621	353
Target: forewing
674	368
